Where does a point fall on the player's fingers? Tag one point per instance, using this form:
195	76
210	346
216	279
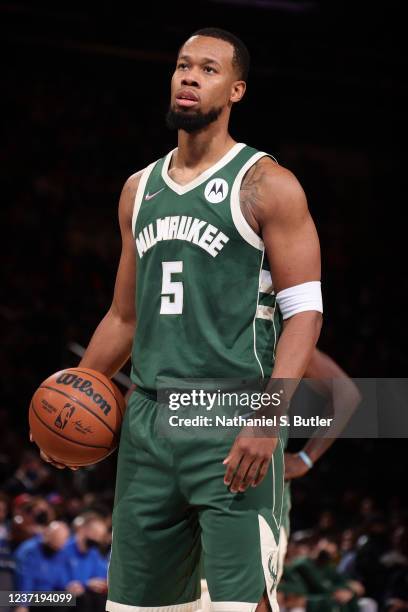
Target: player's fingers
229	472
56	464
234	459
45	457
263	468
48	459
240	473
233	454
250	476
60	466
228	458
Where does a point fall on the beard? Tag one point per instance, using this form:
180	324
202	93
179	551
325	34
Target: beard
191	122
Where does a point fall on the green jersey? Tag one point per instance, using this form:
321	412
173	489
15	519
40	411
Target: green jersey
205	304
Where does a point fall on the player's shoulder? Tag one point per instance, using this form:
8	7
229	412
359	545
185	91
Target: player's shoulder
274	190
132	182
275	178
128	195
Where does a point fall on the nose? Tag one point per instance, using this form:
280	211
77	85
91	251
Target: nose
190	81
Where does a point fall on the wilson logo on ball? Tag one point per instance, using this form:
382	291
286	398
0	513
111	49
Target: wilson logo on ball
84	386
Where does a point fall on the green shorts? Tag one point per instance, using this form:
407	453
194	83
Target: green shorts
172	508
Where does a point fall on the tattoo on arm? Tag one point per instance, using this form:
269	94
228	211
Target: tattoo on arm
250	198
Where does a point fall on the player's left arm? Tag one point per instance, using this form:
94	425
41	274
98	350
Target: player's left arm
275	206
342	397
293	251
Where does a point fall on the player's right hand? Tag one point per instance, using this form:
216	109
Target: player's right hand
248	460
49	459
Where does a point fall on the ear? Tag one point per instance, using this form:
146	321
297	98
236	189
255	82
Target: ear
237	91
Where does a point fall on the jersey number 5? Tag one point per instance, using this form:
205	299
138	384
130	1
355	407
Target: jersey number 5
171	291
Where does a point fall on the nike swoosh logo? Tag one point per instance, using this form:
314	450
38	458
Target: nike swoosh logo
149	196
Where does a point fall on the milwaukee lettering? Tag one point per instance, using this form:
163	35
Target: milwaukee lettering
84	386
198	232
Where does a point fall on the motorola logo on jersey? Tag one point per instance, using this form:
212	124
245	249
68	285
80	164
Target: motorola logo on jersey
216	190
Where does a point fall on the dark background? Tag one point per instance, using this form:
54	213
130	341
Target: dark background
84	90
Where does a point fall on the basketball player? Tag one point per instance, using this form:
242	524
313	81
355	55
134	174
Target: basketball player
203	228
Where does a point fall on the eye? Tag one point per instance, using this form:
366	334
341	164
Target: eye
209	69
182	65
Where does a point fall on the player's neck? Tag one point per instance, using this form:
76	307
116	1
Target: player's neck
202	148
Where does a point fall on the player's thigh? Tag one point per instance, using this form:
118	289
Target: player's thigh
240	535
156	539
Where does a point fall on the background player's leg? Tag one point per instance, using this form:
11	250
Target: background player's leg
283	547
264	605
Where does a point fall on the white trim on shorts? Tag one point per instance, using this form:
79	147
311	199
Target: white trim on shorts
191	606
233	606
269	554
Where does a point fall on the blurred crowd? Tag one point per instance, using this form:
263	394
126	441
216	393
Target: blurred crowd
52	536
360	567
55	534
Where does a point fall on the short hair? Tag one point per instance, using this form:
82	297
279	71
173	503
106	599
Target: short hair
240	57
86	517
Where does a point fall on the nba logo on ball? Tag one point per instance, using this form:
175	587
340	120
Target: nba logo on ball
216	190
64	416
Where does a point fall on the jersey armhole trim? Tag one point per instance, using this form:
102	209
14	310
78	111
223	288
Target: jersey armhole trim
139	194
241	224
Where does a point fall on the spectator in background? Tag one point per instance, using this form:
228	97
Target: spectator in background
368	509
311	582
86	567
371	546
30	517
40	561
326	526
11	443
29	477
397	556
348	553
6	557
396	563
396	595
73	506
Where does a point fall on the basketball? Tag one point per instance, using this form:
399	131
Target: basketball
75	416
